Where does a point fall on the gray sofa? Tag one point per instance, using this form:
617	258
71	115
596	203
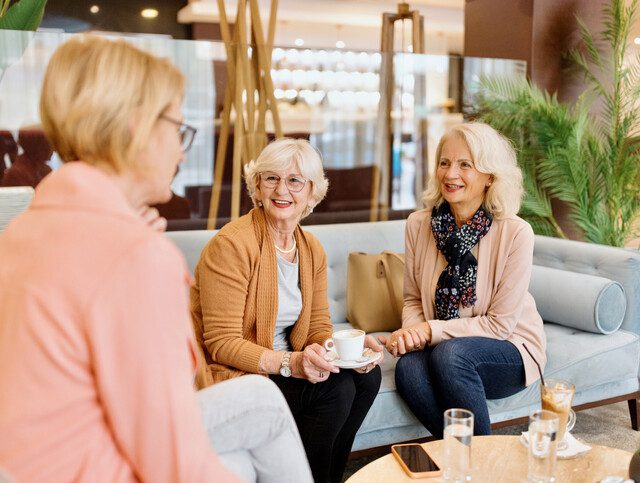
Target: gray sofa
603	367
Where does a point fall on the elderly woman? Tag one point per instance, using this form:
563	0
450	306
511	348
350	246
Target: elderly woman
260	306
97	355
470	329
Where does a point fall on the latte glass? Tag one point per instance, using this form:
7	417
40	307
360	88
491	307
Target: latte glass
557	396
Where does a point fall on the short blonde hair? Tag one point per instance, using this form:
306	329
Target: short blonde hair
94	89
279	154
492	154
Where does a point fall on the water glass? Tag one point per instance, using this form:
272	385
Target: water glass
543	431
458	431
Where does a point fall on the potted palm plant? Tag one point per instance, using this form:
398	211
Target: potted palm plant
590	162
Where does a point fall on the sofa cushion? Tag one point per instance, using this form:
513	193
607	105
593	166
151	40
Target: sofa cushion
587	360
597	304
613	263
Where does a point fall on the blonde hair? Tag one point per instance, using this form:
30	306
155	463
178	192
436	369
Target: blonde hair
95	89
493	154
277	156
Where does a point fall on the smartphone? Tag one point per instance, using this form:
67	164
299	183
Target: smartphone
415	461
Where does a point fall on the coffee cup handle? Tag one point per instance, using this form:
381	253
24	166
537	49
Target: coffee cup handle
572	420
328	344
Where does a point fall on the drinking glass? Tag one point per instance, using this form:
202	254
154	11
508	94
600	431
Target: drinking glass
543	429
458	431
557	396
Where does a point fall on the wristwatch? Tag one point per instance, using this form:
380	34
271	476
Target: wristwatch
285	370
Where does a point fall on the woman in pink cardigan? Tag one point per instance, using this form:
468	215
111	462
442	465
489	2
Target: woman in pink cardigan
97	356
470	328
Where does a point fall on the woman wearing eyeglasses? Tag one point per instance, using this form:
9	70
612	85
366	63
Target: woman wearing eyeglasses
260	306
97	356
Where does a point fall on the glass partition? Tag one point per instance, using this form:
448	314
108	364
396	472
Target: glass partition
24	57
377	123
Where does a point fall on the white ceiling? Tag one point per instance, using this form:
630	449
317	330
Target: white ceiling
357	22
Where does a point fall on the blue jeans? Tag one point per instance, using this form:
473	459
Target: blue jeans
459	373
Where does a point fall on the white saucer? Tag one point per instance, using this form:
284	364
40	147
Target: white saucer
574	447
368	356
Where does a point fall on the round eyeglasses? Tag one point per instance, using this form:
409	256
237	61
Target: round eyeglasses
294	183
186	132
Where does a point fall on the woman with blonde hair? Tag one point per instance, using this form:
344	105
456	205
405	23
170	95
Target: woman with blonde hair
97	356
470	329
260	306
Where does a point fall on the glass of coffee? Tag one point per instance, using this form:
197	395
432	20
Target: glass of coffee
557	396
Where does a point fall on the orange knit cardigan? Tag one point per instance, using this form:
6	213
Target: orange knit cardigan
234	302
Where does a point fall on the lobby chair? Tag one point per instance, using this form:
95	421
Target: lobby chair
30	167
350	190
8	151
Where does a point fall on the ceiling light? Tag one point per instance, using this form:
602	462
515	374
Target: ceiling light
149	13
299	42
340	44
94	9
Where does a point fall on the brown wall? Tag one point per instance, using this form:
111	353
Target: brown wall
498	28
537	31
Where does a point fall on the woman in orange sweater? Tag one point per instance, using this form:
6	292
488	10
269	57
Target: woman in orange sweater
260	306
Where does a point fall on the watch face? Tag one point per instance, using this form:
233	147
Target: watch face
285	372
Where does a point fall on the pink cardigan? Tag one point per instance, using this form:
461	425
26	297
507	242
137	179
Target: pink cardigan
96	347
504	309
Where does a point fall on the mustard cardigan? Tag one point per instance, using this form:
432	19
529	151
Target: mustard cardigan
234	301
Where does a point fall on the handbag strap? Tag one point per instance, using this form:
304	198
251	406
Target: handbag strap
384	271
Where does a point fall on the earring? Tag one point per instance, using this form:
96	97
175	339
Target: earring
259	203
310	209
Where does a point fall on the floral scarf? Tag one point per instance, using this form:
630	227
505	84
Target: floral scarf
457	282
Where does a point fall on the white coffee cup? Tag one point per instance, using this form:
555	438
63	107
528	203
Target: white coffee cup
348	344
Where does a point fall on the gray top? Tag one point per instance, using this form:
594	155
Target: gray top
289	301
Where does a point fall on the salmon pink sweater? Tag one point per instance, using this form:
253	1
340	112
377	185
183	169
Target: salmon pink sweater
96	348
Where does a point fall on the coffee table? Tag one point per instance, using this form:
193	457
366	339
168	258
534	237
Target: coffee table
504	459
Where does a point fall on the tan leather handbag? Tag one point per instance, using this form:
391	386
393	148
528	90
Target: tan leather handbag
374	291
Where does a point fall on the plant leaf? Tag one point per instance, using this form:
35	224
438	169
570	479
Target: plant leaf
24	15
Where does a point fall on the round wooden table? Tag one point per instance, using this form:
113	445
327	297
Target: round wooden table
504	459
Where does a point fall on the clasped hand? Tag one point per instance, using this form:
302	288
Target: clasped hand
407	339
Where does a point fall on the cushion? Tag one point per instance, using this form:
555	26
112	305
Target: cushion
585	302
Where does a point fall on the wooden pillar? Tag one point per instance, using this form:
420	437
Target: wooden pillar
383	189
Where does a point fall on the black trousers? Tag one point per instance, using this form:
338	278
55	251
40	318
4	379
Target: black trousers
328	415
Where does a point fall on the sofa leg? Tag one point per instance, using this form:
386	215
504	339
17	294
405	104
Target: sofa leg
634	408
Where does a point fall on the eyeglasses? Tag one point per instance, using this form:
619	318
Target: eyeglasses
294	183
187	133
